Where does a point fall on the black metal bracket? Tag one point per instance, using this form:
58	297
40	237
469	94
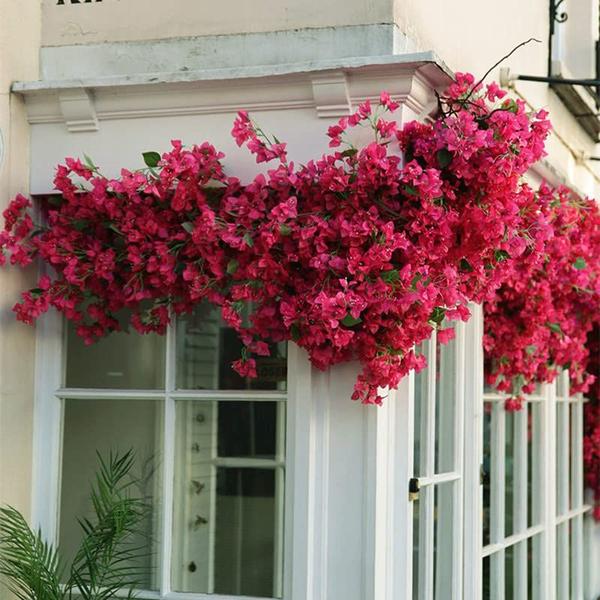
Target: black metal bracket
556	16
560	80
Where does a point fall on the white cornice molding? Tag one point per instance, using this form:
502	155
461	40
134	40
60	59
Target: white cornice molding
78	111
331	87
330	93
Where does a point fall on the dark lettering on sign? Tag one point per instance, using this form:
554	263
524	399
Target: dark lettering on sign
62	2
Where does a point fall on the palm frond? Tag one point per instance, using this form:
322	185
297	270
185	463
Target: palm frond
32	567
108	559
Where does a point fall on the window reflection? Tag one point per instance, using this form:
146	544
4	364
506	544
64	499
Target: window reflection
228	505
206	347
122	360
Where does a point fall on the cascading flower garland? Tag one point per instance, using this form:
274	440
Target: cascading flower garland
538	320
356	255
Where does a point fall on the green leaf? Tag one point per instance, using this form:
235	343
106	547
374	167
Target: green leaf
189	227
151	158
501	255
444	157
390	276
415	281
248	239
112	227
465	265
410	190
349	152
531	349
285	229
55	201
580	264
350	321
554	327
232	266
437	315
510	105
295	332
89	163
80	224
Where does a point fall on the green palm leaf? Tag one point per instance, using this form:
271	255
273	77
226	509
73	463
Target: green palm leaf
108	559
31	566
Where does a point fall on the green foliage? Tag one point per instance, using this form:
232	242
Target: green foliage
109	557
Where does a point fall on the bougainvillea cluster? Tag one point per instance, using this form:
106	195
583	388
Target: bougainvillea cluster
356	255
539	319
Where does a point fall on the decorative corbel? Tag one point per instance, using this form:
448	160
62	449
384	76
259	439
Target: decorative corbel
78	110
330	92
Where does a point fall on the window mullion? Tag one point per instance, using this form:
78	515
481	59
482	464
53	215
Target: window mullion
168	463
48	419
427	468
520	501
547	486
473	455
577	558
497	509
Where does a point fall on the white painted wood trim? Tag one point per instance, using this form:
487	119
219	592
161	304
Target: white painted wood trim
47	429
547	488
473	456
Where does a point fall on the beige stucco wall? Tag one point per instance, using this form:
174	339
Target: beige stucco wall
128	20
472	36
20	28
467	35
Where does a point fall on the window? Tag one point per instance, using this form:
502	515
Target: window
437	556
500	510
209	445
512	497
533	506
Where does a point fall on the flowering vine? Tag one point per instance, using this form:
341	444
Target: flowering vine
358	254
539	319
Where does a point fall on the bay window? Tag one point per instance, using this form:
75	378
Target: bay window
209	448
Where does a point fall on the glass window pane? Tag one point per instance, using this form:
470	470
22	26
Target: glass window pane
415	550
105	426
563	570
509	563
534	463
245	532
445	401
248	429
509	473
228	500
445	559
420	399
487	470
206	348
486	591
563	454
122	360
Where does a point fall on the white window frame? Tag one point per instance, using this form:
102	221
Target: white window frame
324	431
47	450
551	487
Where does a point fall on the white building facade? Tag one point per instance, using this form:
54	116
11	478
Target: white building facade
286	488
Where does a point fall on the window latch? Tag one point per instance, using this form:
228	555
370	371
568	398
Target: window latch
484	476
413	489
